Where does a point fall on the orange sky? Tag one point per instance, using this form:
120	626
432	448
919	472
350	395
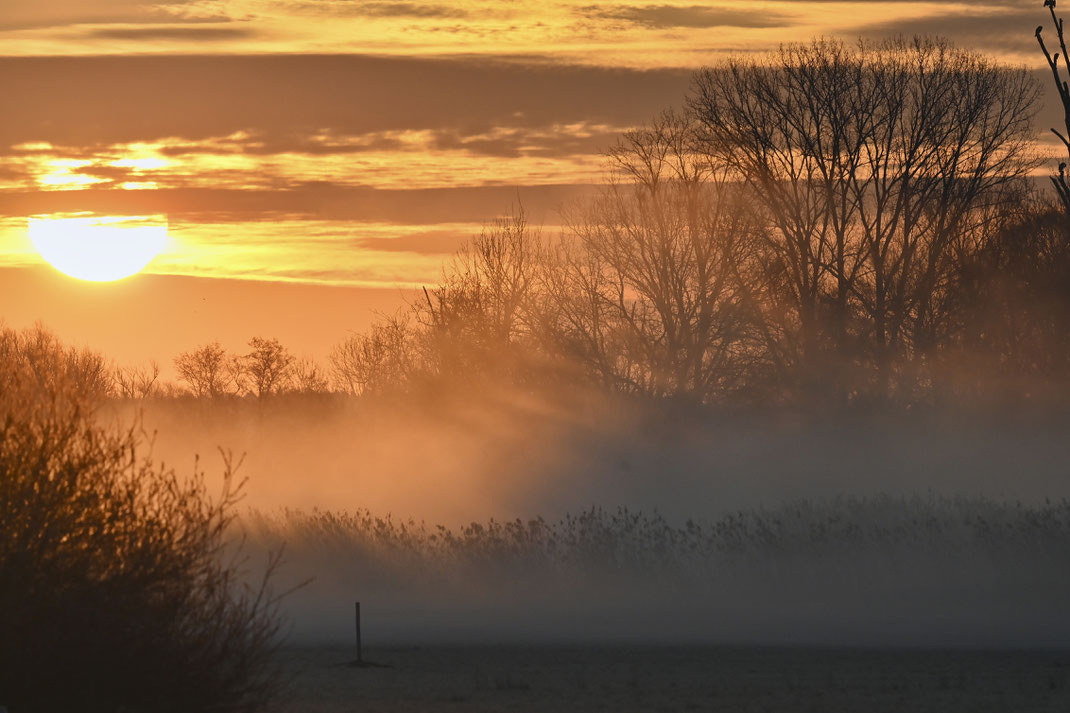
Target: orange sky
318	158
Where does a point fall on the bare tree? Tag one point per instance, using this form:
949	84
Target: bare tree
872	162
267	368
1013	310
480	312
208	370
136	382
308	378
1059	180
42	357
384	358
652	293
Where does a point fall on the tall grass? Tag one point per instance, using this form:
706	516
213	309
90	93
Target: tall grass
921	569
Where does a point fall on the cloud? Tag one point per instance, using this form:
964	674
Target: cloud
34	14
401	9
1000	3
321	201
101	101
700	16
171	33
555	141
430	242
1005	30
109	173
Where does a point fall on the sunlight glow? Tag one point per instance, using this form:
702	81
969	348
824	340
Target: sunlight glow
98	248
145	163
63	174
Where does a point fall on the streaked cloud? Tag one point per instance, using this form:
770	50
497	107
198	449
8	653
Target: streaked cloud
426	242
34	14
314	200
358	142
361	8
655	33
701	16
145	98
993	30
145	34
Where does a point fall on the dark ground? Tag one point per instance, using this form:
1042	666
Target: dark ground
667	678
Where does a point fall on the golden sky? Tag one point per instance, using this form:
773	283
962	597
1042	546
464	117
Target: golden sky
352	145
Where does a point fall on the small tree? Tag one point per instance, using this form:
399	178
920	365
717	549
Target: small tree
45	361
136	382
652	295
267	368
309	378
478	319
382	359
208	370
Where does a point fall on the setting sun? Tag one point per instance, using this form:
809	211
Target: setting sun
98	248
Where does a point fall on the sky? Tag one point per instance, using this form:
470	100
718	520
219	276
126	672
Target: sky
316	161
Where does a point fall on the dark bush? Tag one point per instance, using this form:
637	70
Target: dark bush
118	589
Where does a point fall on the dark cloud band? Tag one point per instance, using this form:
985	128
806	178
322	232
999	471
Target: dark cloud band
146	98
668	16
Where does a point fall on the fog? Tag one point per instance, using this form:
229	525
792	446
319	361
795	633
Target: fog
459	458
941	528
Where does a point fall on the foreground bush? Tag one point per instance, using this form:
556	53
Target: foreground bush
117	591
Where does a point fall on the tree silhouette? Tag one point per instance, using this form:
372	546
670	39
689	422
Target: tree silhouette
1059	180
382	359
308	378
48	363
266	369
481	311
208	370
650	289
136	382
876	164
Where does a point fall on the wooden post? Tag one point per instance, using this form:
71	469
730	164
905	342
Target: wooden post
360	654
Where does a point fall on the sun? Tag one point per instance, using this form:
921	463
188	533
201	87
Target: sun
98	248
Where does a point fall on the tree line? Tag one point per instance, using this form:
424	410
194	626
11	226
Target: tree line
829	222
832	223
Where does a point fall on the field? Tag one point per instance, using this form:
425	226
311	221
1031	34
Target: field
852	604
656	678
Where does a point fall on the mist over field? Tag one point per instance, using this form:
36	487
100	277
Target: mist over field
490	517
468	457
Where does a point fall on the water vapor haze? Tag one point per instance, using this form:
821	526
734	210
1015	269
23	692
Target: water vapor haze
499	516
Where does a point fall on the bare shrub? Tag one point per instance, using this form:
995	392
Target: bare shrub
35	358
382	359
307	377
117	588
136	382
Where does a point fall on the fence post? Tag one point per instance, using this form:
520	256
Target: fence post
360	653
